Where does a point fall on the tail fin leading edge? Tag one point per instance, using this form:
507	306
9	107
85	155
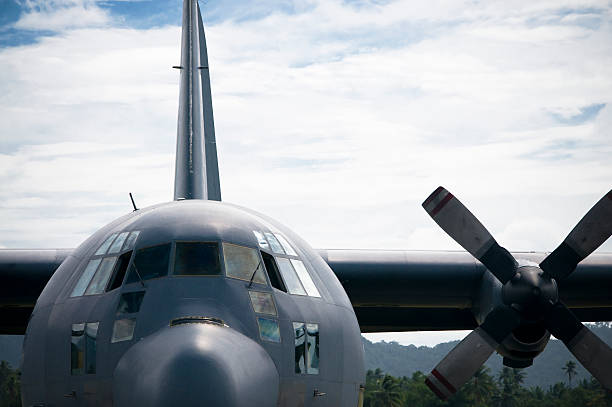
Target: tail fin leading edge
197	168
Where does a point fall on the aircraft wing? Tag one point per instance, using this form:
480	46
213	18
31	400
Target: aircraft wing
395	290
23	275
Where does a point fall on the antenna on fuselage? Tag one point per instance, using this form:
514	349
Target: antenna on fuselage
197	168
133	203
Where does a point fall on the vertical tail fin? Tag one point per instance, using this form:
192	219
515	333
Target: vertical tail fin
197	169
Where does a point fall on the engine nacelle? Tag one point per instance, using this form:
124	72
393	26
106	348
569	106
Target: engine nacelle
525	343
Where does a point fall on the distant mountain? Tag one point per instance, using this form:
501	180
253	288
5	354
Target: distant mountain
399	360
10	349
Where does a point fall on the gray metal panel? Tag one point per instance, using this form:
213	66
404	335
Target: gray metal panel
197	170
196	364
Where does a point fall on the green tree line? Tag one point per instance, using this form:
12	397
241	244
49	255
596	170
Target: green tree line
503	390
383	390
10	386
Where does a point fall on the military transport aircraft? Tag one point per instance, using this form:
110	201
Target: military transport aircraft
201	302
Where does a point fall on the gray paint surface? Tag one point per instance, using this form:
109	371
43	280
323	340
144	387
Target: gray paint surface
197	169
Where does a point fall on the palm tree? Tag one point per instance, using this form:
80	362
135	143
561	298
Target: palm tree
387	394
510	381
518	377
481	387
570	370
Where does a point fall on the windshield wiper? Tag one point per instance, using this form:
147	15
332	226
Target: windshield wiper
138	274
254	272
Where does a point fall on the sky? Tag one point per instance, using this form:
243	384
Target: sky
337	118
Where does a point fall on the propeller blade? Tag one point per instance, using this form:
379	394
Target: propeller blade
590	233
466	358
590	351
460	224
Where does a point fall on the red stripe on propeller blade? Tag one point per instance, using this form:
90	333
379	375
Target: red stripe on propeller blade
442	203
433	196
443	380
435	389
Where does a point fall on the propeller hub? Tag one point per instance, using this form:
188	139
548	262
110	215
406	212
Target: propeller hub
529	291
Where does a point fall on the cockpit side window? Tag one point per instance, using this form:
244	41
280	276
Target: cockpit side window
81	286
290	277
104	246
305	278
107	267
100	279
149	262
243	263
118	243
286	270
274	243
197	259
120	269
273	273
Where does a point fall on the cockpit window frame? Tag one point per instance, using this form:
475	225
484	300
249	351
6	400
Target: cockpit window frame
261	266
171	271
290	253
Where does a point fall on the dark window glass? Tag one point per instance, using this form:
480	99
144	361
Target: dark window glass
91	334
120	269
77	349
273	273
150	262
299	328
195	258
83	348
130	302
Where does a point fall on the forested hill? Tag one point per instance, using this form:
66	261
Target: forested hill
10	349
398	360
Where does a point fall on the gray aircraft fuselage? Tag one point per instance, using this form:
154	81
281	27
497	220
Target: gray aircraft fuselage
195	339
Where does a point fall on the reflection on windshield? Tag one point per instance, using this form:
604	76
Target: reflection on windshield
243	263
299	329
306	348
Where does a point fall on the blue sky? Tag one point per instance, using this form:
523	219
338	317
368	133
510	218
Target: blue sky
335	117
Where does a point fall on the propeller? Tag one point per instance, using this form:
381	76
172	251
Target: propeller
529	293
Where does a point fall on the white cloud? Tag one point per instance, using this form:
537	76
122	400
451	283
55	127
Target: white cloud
338	121
58	15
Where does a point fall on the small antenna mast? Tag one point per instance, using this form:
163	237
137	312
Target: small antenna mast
133	203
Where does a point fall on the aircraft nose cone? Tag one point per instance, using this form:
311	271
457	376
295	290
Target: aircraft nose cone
196	365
